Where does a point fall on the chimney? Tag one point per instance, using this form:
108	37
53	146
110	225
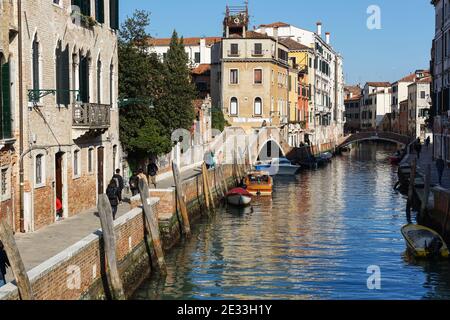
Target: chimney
327	37
275	32
319	29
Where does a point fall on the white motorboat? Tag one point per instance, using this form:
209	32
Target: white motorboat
239	197
279	166
327	156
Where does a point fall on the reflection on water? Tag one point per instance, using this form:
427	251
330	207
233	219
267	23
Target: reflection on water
314	239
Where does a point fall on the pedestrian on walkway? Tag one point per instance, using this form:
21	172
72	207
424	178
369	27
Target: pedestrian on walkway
112	192
134	184
418	148
59	210
4	263
440	166
152	171
119	183
428	142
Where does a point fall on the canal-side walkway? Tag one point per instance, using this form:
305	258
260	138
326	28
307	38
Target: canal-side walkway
426	158
39	246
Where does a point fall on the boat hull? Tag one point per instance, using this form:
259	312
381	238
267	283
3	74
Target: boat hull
278	170
239	200
419	238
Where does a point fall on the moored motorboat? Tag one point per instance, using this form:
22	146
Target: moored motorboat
424	242
278	166
259	183
239	197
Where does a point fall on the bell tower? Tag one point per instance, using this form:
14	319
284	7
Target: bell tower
236	21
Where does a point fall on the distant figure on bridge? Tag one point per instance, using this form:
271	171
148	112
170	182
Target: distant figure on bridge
440	166
418	148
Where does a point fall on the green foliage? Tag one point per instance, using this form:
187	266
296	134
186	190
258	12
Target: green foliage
218	119
176	110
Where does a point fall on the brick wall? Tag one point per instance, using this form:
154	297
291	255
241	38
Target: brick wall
77	272
82	193
43	208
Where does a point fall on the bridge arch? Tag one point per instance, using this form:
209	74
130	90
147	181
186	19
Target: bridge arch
377	136
265	146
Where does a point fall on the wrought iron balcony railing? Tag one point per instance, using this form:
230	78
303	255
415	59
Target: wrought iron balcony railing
91	115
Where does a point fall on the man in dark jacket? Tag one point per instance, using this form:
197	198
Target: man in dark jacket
440	166
152	171
4	263
119	183
112	192
134	184
418	147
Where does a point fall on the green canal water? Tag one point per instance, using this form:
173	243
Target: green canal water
314	239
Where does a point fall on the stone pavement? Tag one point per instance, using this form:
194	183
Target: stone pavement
37	247
426	157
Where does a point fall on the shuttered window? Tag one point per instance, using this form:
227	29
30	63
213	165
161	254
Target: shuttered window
62	75
258	76
36	67
100	11
258	107
114	14
5	102
84	79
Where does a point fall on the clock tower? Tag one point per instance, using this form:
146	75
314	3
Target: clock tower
236	21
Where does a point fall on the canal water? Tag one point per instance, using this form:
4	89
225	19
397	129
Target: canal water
314	239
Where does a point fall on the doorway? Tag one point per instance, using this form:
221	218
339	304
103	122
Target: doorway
100	174
59	183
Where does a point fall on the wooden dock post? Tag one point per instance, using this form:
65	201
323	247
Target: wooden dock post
15	260
109	240
205	187
211	197
223	180
152	223
424	204
180	197
412	181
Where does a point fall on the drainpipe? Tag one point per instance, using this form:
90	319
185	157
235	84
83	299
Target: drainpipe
21	170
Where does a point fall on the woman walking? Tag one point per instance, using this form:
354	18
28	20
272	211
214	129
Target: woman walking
113	195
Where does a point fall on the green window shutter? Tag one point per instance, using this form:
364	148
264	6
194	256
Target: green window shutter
100	11
114	14
65	76
6	105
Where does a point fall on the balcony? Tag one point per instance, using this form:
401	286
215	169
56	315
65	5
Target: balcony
90	119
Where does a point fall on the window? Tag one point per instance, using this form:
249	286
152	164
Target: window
114	14
76	163
62	75
422	94
234	49
258	107
35	62
4	183
84	5
91	160
234	106
100	11
234	76
99	81
114	158
258	76
197	57
84	79
5	100
39	167
258	49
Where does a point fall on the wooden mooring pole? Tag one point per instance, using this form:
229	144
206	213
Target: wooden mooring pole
109	241
424	204
15	261
152	223
181	201
206	187
412	181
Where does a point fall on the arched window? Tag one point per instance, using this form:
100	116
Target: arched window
83	78
234	106
39	178
258	107
62	74
76	163
5	100
99	81
36	63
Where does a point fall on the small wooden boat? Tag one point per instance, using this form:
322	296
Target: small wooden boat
239	197
424	242
259	183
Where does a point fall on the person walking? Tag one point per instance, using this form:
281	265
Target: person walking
134	184
113	195
418	148
152	171
142	176
428	142
440	166
4	263
119	183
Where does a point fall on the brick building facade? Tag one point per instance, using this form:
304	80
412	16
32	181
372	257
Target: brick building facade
68	107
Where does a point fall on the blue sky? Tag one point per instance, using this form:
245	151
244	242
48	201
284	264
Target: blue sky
400	47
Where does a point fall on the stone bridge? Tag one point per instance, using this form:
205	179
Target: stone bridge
376	136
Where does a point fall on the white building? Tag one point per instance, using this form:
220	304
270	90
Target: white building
327	80
375	104
419	103
198	49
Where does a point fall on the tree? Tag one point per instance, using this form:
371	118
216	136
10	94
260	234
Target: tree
218	119
141	77
176	110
